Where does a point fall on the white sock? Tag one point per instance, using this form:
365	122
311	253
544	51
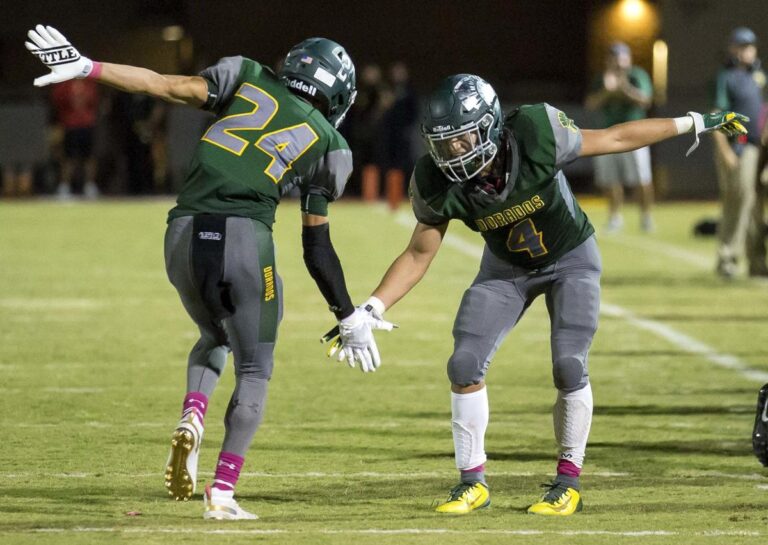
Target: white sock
220	494
469	421
572	416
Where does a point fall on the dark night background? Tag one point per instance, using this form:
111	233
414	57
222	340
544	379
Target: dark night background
530	50
508	42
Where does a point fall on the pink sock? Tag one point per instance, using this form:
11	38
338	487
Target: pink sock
195	401
227	471
566	467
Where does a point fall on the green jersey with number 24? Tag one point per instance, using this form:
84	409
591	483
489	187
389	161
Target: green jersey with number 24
536	219
264	142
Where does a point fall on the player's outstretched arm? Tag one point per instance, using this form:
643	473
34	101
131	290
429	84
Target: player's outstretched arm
410	266
187	90
637	134
404	273
65	62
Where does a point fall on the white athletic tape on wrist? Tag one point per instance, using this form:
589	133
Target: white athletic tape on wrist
698	127
376	303
683	124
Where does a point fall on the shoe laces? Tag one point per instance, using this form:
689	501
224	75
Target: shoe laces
459	490
555	491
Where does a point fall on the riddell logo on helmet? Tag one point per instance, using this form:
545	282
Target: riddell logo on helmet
303	87
442	128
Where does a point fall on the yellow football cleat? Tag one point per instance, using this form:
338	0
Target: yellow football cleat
466	497
559	500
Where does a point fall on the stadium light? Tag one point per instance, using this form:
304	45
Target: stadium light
633	10
660	56
173	33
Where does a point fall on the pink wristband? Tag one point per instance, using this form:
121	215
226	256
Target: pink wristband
95	71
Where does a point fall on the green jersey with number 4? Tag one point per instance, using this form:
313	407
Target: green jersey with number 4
535	219
264	142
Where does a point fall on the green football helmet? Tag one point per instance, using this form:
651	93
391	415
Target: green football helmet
462	126
320	70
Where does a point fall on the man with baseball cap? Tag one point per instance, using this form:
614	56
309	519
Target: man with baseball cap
740	84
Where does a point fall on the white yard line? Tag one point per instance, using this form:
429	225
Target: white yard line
685	342
383	475
304	475
681	340
395	531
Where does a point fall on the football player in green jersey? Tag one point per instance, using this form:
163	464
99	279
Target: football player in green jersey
272	133
502	178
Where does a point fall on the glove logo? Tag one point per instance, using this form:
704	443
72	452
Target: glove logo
58	55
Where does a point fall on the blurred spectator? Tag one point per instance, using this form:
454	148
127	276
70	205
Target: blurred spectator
23	145
17	180
76	108
139	124
399	127
623	93
363	125
758	264
739	88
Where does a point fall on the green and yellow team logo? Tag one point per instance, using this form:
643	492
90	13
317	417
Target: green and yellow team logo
566	122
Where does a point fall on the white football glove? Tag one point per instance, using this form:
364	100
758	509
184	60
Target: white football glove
356	342
54	51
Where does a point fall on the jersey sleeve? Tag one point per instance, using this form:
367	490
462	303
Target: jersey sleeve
329	175
421	209
566	134
223	78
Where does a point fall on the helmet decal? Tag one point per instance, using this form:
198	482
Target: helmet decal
346	63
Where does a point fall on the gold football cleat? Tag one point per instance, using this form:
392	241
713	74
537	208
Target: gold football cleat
465	498
559	500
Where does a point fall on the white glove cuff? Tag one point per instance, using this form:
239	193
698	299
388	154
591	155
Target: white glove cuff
377	304
698	126
87	68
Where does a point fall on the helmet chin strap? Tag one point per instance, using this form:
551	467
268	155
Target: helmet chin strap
502	172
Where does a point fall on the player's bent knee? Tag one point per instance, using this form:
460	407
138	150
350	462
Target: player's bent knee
256	363
569	374
465	369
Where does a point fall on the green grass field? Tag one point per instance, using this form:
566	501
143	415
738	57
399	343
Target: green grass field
93	345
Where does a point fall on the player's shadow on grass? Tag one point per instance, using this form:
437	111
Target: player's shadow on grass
672	410
645	280
672	447
640	354
753	354
720	318
510	456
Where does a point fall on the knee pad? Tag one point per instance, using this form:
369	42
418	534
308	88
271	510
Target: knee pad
569	373
217	359
464	368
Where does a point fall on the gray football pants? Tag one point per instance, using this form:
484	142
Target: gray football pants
501	293
235	299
